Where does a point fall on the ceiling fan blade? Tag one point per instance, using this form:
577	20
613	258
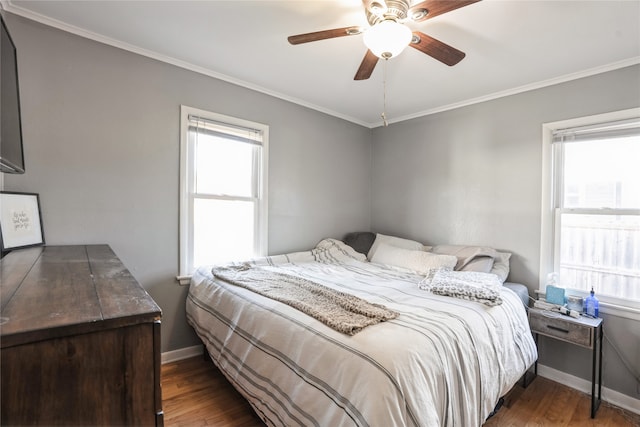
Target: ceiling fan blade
323	35
366	66
430	8
436	49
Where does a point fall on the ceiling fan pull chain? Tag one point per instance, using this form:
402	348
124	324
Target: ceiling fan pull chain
384	93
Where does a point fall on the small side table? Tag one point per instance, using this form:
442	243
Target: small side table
584	331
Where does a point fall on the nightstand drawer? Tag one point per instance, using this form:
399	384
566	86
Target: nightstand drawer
560	328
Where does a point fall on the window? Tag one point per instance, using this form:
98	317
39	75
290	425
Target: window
591	223
223	181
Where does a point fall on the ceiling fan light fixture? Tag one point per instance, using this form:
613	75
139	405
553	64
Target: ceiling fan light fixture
387	39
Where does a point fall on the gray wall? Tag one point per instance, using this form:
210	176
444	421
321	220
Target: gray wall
473	175
101	133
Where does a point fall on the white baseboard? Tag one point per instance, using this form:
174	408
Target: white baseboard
614	397
182	353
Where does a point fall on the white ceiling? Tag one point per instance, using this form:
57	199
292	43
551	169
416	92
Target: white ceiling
511	46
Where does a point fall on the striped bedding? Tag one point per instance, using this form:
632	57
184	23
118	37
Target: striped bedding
442	362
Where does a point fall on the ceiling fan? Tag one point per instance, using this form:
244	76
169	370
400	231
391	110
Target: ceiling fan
388	35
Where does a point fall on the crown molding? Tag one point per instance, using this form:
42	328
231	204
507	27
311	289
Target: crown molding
525	88
9	6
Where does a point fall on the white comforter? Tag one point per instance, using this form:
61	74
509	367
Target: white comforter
442	362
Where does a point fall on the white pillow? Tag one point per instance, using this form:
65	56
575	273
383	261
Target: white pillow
398	242
470	258
417	260
475	258
501	265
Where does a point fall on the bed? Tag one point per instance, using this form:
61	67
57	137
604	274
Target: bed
440	361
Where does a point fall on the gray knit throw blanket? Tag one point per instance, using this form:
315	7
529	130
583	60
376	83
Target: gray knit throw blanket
341	311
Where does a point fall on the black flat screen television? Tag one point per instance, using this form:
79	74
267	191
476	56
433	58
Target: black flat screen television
11	153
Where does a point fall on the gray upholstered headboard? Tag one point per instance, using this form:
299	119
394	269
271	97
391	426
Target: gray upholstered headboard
360	241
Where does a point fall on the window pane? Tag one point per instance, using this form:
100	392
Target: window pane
602	174
602	251
224	166
223	231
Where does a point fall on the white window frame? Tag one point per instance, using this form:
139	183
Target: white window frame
187	184
549	244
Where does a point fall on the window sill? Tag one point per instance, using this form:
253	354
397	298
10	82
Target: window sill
620	311
183	280
608	307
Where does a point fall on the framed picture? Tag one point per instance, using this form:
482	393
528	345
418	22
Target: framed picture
20	221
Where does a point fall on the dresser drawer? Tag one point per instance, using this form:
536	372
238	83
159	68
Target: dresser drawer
561	328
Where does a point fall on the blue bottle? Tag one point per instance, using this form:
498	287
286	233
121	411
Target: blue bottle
591	305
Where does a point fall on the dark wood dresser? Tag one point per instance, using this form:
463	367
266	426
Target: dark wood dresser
80	340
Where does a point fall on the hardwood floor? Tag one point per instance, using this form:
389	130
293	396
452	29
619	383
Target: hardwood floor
195	393
547	403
